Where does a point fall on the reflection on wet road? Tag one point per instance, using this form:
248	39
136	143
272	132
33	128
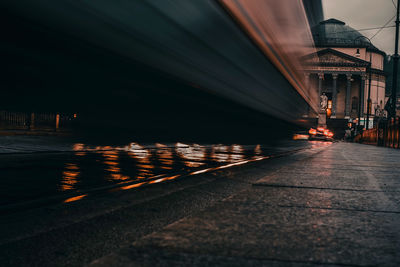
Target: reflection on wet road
71	176
142	165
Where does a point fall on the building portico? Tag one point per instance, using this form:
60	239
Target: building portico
342	70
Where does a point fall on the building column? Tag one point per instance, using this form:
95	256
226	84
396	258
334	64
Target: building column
321	112
362	89
334	94
307	84
321	77
348	96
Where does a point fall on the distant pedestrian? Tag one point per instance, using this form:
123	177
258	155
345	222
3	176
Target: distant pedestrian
347	135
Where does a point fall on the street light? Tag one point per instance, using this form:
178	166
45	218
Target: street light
369	104
395	65
359	101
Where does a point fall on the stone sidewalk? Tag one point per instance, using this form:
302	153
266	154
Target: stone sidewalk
339	207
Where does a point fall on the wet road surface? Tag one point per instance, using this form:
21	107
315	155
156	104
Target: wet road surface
34	174
69	204
338	207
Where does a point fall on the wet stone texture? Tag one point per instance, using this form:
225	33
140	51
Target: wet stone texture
339	207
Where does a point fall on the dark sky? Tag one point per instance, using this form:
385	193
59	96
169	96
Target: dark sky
361	14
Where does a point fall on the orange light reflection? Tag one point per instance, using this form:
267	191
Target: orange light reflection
133	186
220	153
236	153
69	177
72	199
193	155
165	156
201	171
111	161
142	156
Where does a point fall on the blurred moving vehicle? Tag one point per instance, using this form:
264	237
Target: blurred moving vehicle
303	135
320	134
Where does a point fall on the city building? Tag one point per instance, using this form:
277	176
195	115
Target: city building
346	58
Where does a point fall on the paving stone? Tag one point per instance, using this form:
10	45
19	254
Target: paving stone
324	199
339	207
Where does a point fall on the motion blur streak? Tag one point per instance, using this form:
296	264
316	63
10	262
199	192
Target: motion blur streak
197	44
281	30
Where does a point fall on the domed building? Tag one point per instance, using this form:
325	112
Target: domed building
342	73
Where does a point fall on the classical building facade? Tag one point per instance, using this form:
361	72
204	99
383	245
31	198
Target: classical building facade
346	58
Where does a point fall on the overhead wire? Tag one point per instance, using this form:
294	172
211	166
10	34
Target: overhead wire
378	28
383	27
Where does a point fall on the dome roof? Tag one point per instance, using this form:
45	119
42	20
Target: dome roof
335	33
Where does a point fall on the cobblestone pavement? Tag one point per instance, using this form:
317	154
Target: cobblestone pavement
62	203
338	207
